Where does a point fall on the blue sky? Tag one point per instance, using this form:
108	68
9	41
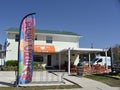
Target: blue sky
98	21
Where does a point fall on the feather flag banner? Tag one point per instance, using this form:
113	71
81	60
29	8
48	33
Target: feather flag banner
26	49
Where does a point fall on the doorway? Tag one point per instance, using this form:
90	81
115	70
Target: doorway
49	60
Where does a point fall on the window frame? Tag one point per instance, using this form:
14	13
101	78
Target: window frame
49	39
17	37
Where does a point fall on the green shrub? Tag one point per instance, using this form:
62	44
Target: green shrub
12	63
38	66
10	68
118	74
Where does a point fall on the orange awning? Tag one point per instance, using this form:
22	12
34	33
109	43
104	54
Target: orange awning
44	48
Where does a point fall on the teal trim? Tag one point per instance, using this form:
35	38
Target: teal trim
45	31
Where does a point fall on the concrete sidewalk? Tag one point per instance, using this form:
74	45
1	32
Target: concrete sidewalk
40	78
88	84
7	79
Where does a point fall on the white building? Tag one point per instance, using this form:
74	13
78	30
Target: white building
47	46
51	48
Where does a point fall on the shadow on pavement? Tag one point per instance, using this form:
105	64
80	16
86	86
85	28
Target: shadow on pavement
6	84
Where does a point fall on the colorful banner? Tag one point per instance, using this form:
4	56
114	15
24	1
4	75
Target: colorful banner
26	49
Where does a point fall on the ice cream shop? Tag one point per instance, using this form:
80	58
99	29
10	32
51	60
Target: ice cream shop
47	46
51	48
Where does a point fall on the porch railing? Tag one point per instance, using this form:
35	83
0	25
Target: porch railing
48	76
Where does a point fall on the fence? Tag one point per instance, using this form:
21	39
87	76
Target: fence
94	69
116	67
48	76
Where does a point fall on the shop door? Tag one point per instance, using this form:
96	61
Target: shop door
49	60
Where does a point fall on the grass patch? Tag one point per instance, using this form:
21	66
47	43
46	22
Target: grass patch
103	78
40	87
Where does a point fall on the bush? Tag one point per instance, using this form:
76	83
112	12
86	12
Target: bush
38	66
10	68
12	63
119	74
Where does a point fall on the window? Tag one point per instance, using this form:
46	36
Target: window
17	37
38	58
100	60
48	39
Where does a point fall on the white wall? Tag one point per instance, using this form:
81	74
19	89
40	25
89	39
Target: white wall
59	41
12	50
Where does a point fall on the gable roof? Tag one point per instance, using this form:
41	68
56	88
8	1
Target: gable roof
44	31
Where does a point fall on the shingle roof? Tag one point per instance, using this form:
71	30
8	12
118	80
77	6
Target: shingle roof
45	31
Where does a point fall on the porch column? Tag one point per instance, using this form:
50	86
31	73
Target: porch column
89	60
106	58
69	61
59	61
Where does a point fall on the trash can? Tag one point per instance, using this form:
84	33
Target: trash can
80	69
